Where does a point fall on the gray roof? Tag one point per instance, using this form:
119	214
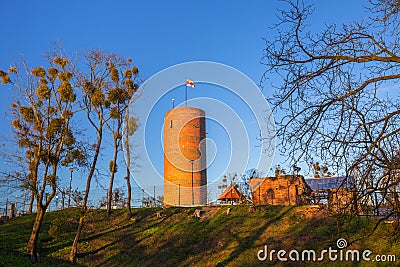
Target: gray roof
329	182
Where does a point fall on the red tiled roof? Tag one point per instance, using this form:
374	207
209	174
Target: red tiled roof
230	193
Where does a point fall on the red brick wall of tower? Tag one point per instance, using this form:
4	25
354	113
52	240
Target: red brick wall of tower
184	134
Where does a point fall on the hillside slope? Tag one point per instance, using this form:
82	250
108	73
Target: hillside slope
177	238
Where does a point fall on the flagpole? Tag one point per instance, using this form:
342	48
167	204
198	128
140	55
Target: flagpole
185	92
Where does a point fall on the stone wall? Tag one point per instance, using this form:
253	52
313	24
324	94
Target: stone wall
283	190
342	200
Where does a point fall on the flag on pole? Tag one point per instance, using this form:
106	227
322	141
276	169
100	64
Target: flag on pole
190	83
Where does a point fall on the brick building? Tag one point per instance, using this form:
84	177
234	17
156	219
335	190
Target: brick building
280	190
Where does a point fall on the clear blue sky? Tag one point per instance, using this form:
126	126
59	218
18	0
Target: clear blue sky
155	34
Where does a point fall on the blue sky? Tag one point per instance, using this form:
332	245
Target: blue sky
155	34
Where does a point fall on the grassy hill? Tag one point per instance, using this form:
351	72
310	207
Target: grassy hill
177	238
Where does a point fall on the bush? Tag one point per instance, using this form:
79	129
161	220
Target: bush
55	228
61	226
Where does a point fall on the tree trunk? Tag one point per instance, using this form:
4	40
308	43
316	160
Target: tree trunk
128	172
74	249
113	169
31	248
128	185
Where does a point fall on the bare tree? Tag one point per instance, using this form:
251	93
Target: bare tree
130	128
119	96
46	100
42	111
329	98
99	92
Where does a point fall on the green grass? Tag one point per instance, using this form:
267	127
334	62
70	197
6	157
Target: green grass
179	239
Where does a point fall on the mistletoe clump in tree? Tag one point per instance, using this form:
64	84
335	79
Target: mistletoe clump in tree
122	88
105	96
42	113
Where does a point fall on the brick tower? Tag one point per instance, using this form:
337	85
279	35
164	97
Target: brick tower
185	174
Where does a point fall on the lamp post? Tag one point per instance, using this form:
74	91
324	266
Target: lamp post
173	103
56	201
191	161
16	202
70	187
63	198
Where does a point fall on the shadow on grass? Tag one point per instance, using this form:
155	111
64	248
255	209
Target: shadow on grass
150	249
181	240
16	258
248	242
117	238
